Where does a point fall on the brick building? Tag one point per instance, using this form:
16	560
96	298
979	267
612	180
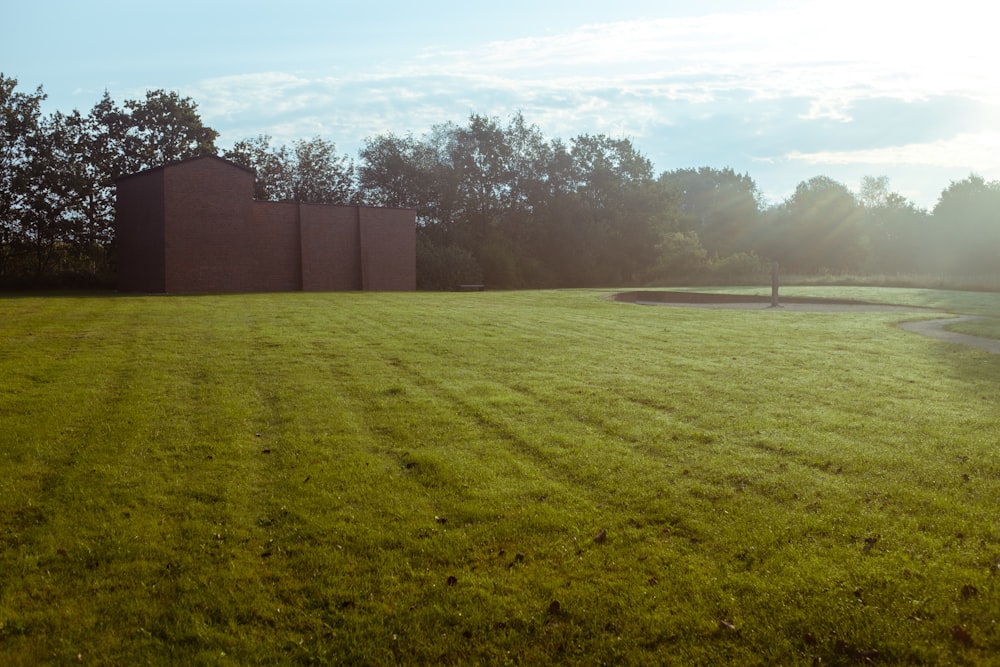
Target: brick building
193	226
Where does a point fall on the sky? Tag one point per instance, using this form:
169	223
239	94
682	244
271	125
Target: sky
781	90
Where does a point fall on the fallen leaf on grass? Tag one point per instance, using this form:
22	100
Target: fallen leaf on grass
601	537
452	580
555	609
960	634
866	655
728	626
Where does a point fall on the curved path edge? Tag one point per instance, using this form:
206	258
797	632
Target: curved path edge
936	329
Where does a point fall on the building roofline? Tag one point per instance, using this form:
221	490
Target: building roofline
190	159
254	174
366	206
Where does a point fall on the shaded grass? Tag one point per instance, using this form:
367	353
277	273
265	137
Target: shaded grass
379	478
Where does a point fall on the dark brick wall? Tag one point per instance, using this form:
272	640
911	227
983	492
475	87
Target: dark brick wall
275	247
388	249
331	260
139	234
208	213
193	226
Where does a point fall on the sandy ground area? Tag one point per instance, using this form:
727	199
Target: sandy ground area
935	328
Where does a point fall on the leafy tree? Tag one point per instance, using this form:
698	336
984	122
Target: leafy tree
309	172
445	267
20	115
87	155
57	173
163	128
90	152
604	168
494	177
54	229
530	211
398	172
496	171
874	192
627	213
271	165
44	222
719	205
474	187
897	229
818	229
966	224
320	176
681	258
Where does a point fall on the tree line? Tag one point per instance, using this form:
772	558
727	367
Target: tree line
497	203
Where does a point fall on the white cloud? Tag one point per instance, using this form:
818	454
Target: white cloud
765	90
976	152
803	49
268	93
831	53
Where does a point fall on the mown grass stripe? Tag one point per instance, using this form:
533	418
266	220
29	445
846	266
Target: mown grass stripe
184	477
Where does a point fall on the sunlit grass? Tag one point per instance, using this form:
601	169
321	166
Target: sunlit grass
497	477
986	327
972	303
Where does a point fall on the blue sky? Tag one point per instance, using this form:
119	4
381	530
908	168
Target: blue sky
782	90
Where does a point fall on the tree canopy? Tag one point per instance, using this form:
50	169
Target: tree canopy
310	171
57	176
967	233
496	201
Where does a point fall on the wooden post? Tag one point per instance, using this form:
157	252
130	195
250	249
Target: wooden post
774	285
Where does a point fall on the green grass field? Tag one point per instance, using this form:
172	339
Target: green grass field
493	478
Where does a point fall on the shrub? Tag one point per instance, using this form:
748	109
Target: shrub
445	267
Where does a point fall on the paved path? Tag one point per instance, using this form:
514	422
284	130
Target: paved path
932	328
936	329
